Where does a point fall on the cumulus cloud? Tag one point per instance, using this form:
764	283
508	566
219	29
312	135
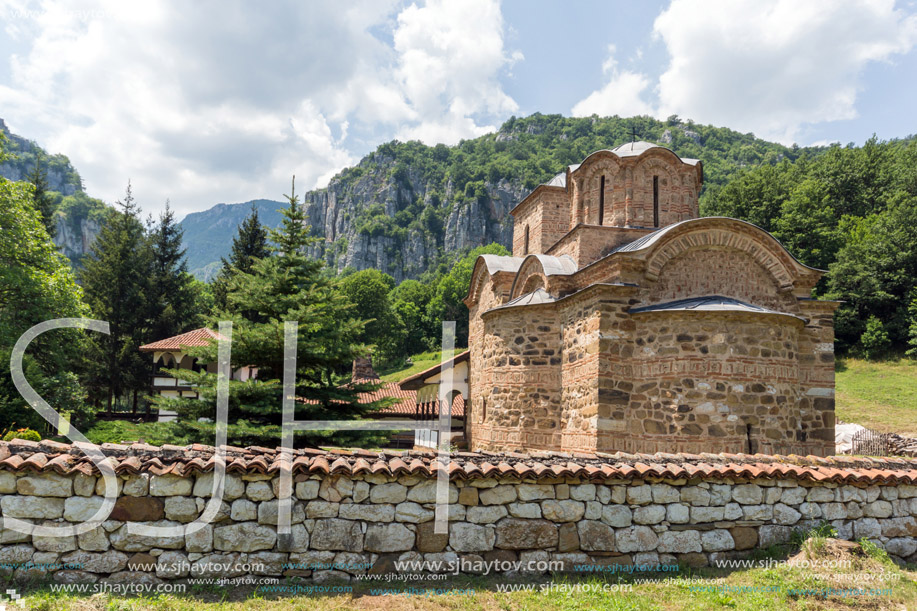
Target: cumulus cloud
773	67
224	101
450	57
623	94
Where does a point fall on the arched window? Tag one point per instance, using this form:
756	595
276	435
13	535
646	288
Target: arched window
602	200
655	201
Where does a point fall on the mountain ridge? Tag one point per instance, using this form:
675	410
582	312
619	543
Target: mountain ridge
407	207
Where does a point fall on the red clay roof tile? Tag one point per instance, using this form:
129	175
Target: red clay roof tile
70	459
193	339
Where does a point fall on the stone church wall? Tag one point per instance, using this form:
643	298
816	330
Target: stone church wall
346	525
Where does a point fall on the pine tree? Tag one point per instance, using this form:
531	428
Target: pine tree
289	285
249	244
115	279
172	299
41	195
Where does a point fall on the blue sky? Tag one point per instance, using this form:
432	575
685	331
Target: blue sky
212	102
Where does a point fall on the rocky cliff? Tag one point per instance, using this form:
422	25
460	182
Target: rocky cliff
79	217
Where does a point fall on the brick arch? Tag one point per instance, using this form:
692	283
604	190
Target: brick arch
650	165
533	283
531	269
597	164
762	247
479	275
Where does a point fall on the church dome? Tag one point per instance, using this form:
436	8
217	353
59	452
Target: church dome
633	149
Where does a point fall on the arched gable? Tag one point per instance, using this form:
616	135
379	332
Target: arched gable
657	248
541	267
485	267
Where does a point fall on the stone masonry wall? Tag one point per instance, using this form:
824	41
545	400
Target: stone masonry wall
374	519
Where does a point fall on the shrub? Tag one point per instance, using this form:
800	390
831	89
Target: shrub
874	342
26	434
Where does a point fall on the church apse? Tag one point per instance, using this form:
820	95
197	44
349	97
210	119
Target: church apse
633	325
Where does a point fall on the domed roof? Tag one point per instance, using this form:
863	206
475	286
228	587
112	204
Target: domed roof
633	149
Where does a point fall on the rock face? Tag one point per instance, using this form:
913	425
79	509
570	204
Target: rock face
357	215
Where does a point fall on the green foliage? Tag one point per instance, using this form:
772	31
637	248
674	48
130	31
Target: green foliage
875	272
24	434
249	245
851	210
42	198
447	300
814	539
874	342
171	296
116	278
874	551
287	286
912	327
36	284
368	290
154	433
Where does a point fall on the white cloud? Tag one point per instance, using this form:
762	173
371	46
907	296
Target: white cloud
450	57
621	95
224	101
774	67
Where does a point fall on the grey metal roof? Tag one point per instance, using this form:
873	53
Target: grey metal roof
561	179
710	303
500	263
563	265
633	149
644	241
535	297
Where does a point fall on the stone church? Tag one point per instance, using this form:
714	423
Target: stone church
625	322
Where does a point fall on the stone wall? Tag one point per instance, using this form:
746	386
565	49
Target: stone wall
374	519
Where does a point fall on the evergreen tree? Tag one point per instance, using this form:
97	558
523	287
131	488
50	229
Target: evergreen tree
287	286
249	244
172	298
115	278
41	195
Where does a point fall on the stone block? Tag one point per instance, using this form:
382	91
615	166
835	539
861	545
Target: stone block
513	533
244	537
475	538
636	539
387	538
170	485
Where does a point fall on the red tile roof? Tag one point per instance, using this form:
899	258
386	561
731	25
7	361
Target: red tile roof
408	399
19	455
193	339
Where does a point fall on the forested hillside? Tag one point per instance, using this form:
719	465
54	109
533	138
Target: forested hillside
407	207
852	211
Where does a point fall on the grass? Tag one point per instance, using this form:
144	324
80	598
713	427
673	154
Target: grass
116	431
861	576
420	362
772	589
878	395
